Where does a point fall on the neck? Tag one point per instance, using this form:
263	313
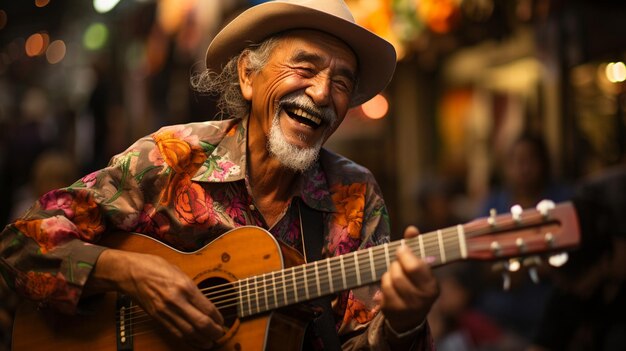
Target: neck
271	183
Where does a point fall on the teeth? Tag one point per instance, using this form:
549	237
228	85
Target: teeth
301	113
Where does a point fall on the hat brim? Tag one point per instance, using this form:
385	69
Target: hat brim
376	57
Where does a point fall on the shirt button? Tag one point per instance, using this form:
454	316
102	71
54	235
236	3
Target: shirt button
252	207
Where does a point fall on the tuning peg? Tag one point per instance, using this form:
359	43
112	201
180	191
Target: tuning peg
514	265
504	268
492	217
534	275
506	281
558	260
532	263
544	206
516	212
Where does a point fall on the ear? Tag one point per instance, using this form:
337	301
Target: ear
245	77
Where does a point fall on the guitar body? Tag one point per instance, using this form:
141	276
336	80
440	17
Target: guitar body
238	254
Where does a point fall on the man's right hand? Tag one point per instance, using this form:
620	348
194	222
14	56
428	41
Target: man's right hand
163	291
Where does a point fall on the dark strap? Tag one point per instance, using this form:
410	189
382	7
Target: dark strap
324	324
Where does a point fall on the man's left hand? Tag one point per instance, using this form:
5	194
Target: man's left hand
408	288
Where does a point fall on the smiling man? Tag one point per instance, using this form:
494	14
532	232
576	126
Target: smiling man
286	73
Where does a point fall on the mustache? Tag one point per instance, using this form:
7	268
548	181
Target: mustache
303	101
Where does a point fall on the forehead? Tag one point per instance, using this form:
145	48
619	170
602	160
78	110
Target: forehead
323	46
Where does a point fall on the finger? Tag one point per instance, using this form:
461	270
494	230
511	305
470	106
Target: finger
207	307
390	299
203	327
175	324
207	328
411	232
418	270
403	287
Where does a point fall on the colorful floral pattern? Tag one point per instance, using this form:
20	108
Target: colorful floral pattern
185	185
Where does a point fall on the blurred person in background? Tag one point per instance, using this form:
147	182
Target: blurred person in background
526	180
455	322
287	73
435	200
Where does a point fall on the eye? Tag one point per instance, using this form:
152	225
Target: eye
344	84
306	71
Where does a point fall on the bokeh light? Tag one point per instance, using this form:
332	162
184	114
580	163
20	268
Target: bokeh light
615	72
36	44
376	108
41	3
104	6
56	51
95	36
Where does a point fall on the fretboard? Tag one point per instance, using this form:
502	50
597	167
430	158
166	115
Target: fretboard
269	291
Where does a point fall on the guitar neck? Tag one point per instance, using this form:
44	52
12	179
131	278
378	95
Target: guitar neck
262	293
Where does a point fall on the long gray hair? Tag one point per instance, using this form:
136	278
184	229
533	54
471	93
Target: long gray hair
225	84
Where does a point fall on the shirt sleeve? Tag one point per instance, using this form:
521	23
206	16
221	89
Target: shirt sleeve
48	254
362	326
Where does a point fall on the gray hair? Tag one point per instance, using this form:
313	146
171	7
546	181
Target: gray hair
225	84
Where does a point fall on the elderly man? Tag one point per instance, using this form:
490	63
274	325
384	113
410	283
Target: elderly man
287	73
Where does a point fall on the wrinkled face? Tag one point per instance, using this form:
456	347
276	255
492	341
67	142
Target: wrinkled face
302	94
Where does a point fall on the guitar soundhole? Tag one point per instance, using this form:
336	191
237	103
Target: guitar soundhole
224	296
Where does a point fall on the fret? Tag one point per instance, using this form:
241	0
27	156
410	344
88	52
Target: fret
264	291
337	273
256	295
301	287
380	262
324	276
317	278
239	291
387	261
248	294
420	238
272	297
373	269
442	252
295	284
330	277
306	283
356	268
343	272
460	230
286	301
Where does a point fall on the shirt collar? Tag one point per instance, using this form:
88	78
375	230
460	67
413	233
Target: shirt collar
226	162
226	158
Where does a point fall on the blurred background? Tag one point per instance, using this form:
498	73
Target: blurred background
494	103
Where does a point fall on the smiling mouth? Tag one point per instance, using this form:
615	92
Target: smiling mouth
303	117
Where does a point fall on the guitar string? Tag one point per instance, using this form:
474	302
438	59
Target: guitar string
263	285
260	285
428	238
427	245
144	323
349	266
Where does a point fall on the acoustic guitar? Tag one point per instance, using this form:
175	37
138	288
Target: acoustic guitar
259	285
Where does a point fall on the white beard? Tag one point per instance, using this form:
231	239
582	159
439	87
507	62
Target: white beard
290	156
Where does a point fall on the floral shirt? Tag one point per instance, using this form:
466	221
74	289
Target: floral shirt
185	185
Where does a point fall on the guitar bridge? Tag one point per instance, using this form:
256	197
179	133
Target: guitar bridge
124	323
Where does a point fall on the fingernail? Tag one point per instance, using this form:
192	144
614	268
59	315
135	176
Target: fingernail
430	259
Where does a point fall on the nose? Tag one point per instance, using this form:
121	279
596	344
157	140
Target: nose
319	90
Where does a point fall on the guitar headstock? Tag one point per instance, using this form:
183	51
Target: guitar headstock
523	232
